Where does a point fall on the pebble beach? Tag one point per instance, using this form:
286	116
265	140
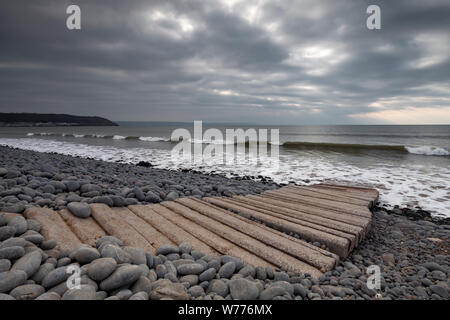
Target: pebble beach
410	247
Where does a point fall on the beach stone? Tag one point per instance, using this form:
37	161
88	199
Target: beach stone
6	232
11	279
185	247
285	285
167	249
29	263
48	244
139	296
247	271
271	292
143	284
261	273
161	270
55	277
237	262
71	185
149	259
63	262
49	296
100	269
300	290
122	276
13	242
109	240
33	237
196	291
115	252
103	199
243	289
124	294
85	292
192	279
441	291
280	276
5	265
27	292
217	286
197	254
88	187
12	253
438	275
34	225
79	209
152	197
14	208
139	194
388	258
164	289
19	223
432	266
172	196
227	270
85	255
137	255
191	268
4	297
43	270
207	275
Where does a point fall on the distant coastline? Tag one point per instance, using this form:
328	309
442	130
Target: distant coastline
51	120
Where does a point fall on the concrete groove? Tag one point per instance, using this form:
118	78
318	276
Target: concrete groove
153	236
321	203
314	211
353	238
222	245
334	197
170	230
272	255
289	213
54	227
254	231
253	228
362	193
106	218
272	230
87	230
337	244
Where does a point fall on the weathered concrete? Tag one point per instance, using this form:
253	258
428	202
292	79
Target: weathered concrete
337	244
153	236
222	245
54	227
87	230
110	222
169	229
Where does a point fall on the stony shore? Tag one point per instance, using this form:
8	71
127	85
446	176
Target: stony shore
410	248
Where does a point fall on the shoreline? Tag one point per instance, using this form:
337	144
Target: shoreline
410	248
253	184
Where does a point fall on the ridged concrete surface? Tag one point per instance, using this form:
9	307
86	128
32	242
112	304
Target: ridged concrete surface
254	228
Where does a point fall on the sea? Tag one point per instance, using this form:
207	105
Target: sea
408	164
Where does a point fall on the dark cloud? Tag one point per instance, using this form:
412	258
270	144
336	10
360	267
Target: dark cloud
305	62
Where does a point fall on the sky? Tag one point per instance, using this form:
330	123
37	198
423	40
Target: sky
256	61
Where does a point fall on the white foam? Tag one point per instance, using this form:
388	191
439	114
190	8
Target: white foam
116	137
153	139
403	185
427	150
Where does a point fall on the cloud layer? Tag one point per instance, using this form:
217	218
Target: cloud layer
259	61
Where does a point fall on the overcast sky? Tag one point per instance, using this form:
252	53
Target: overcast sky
261	61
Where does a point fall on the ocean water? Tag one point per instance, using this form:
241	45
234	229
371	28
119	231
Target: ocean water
409	165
